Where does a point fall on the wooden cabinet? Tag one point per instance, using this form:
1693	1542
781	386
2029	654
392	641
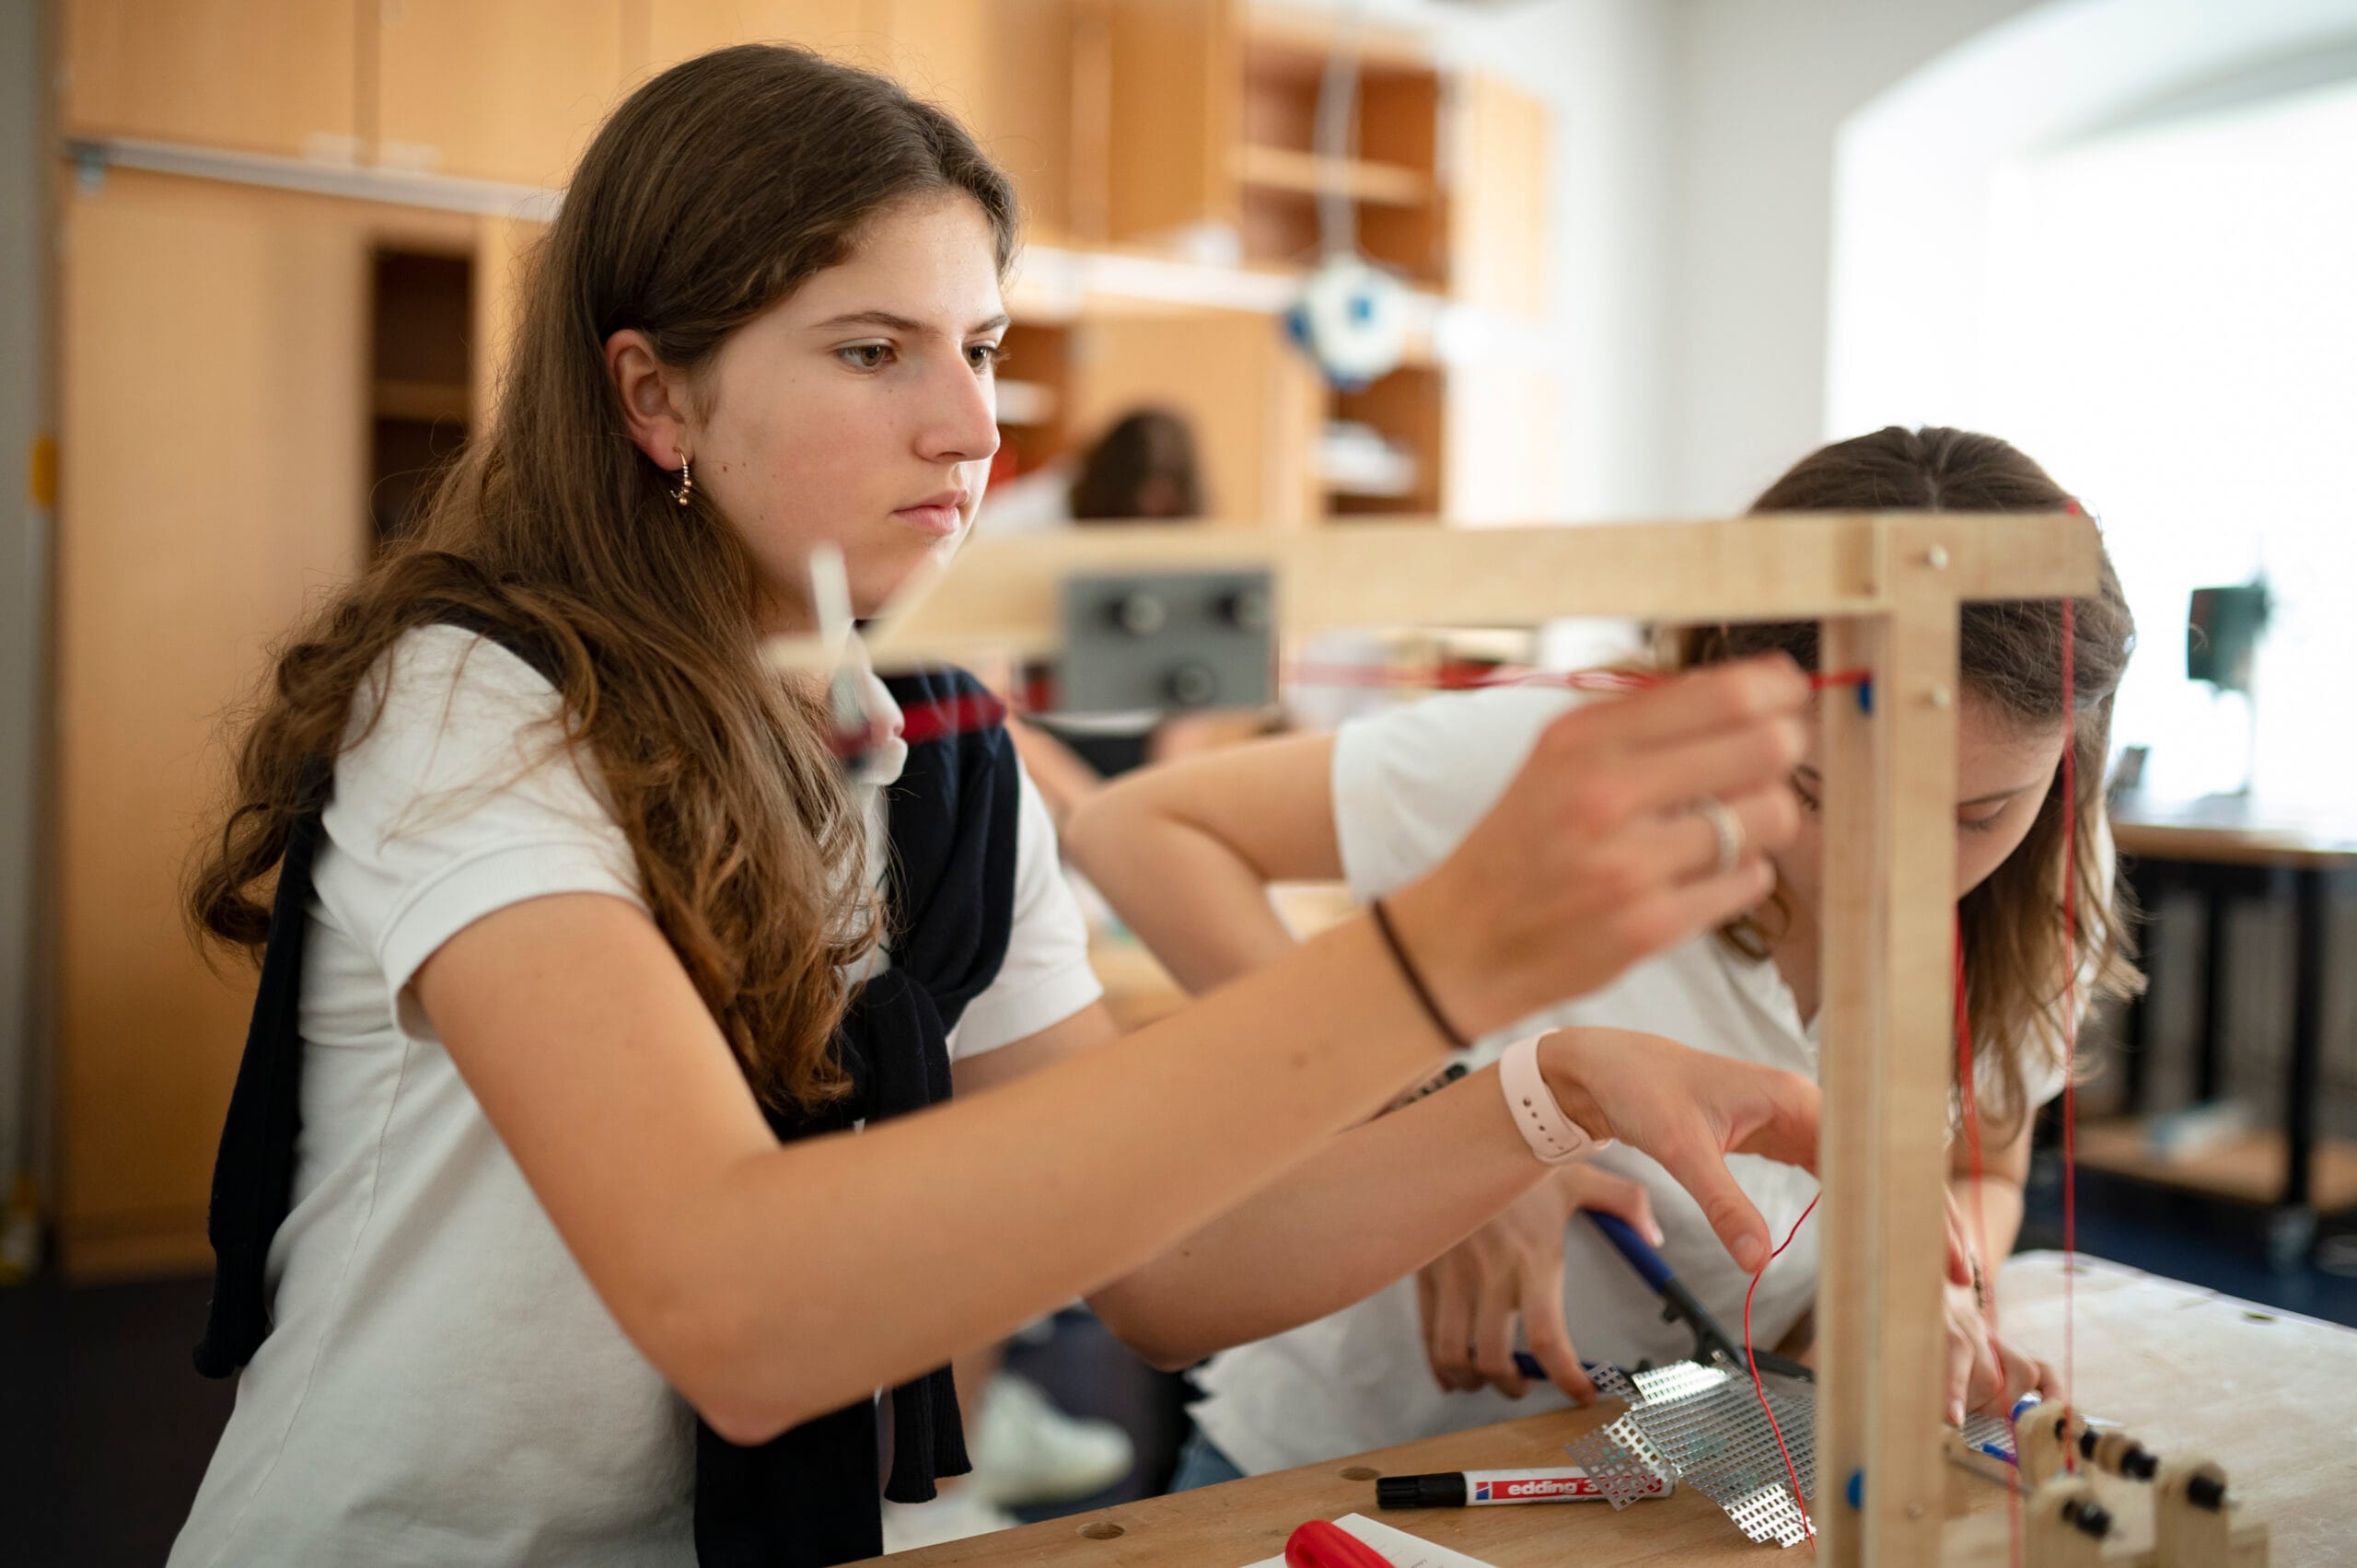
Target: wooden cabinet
1500	210
1005	70
504	249
1174	123
214	435
678	29
1253	403
1174	69
493	89
496	89
513	89
211	438
276	76
1387	176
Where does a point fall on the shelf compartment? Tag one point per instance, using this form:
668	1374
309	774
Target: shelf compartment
1380	184
422	400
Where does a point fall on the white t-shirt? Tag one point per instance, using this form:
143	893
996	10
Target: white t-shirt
1409	785
440	1384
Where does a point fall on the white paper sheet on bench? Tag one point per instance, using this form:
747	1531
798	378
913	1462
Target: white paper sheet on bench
1404	1549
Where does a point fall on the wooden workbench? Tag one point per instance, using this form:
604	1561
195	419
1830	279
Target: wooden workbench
2224	850
2270	1396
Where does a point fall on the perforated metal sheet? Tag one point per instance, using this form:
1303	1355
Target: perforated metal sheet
1701	1425
1990	1436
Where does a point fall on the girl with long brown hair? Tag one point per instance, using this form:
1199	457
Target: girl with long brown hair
587	1173
1399	791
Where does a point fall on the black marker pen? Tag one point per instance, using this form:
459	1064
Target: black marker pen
1480	1489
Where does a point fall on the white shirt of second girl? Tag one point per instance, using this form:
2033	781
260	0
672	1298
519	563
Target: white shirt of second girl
1409	785
440	1384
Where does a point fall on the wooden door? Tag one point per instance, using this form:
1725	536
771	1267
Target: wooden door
212	442
1255	405
677	29
1005	70
509	90
1499	214
1176	69
277	77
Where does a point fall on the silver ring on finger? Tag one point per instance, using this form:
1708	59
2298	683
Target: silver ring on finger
1726	827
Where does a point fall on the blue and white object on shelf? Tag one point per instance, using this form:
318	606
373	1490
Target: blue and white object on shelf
1352	319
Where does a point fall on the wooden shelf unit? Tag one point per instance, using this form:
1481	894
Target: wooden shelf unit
1380	184
1391	171
1040	357
1251	400
421	398
1407	408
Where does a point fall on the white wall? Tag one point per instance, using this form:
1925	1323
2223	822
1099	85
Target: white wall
1707	191
1762	87
1605	69
1919	169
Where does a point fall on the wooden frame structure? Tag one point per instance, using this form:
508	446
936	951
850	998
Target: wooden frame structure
1886	588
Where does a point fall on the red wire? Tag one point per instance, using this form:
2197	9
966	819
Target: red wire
958	715
1461	677
1969	1095
1760	1390
1466	676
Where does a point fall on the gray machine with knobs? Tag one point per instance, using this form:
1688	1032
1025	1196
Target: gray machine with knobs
1170	641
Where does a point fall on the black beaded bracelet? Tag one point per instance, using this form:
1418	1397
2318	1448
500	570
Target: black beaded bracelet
1416	981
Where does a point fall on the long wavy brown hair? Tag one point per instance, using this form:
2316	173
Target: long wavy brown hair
2011	654
710	195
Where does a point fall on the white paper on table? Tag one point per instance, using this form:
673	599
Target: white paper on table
1403	1549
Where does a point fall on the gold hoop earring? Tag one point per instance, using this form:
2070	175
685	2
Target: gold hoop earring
687	484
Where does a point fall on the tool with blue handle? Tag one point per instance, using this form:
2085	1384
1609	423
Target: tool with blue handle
1678	1306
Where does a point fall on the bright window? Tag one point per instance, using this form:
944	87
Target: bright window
2171	332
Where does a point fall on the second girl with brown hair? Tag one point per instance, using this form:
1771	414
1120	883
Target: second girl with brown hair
1183	853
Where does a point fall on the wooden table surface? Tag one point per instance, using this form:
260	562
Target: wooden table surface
2236	830
2270	1396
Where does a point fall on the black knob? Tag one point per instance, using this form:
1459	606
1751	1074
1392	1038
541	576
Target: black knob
2087	1516
1246	610
1140	614
1191	685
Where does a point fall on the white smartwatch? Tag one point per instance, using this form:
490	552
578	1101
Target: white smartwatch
1554	1137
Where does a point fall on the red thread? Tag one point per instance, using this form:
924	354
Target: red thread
1761	1389
1460	675
1969	1097
958	715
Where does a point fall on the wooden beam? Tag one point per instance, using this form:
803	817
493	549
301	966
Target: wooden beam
1911	1028
1856	837
1001	595
1890	912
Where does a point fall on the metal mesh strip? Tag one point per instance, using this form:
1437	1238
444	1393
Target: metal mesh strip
1702	1426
